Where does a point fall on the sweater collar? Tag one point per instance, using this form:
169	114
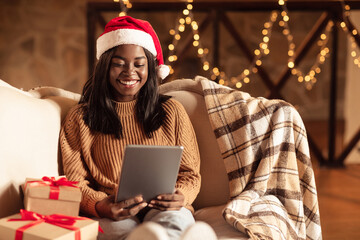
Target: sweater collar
125	108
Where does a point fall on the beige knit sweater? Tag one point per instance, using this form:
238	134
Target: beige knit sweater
95	159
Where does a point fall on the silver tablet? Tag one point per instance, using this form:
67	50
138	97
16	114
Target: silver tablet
149	171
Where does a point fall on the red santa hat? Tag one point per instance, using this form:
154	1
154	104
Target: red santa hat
128	30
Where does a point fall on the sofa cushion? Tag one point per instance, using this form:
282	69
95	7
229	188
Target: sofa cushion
214	182
213	216
63	99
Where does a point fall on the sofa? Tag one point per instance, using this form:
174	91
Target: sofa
30	122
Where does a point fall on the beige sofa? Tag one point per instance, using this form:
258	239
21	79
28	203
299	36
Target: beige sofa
29	127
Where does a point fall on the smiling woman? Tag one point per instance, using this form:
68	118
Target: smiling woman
120	105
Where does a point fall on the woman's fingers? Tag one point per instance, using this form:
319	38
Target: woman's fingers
170	197
121	210
123	213
130	207
129	202
168	201
136	209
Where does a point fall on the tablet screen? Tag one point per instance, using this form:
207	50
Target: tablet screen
148	170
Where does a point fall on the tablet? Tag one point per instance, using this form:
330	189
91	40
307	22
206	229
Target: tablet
148	170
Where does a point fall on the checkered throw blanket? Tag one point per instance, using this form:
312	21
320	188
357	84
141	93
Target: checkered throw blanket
265	150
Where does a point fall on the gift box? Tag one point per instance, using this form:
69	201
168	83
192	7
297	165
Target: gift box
33	226
52	195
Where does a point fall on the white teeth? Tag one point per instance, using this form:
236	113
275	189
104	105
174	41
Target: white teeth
128	82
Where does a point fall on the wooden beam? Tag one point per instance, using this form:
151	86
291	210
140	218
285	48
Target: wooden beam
235	5
355	139
315	150
351	28
332	99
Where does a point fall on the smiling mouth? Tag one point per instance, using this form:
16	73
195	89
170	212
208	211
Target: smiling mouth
128	83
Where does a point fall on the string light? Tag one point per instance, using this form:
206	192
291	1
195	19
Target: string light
188	20
215	73
125	5
309	79
262	51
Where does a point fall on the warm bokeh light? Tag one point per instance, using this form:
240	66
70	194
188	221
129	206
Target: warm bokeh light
291	64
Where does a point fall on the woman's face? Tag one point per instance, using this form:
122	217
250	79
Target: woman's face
128	72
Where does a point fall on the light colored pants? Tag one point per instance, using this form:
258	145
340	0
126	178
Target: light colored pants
174	222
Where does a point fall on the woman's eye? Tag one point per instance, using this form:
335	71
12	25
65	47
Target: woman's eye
117	64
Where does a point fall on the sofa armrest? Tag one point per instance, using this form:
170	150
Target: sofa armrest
29	133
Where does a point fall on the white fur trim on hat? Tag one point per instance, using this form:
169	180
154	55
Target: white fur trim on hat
124	36
162	71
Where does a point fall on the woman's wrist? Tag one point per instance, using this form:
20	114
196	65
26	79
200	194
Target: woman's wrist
97	209
100	207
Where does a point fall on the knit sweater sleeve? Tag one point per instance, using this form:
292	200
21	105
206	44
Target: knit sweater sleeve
189	179
74	137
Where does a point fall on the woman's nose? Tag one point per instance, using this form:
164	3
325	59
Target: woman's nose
129	69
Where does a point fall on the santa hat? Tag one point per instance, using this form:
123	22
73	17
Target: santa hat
128	30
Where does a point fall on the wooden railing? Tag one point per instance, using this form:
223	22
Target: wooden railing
332	10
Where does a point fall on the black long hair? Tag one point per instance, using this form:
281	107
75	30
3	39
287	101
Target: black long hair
99	109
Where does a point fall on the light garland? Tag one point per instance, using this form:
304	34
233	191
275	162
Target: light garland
284	23
309	78
259	53
187	18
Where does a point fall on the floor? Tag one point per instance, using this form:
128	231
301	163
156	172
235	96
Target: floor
339	201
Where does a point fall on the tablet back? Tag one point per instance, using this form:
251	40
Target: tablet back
148	170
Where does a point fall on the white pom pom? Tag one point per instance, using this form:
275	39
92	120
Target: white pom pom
163	71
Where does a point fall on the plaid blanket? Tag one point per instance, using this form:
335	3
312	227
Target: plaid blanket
265	151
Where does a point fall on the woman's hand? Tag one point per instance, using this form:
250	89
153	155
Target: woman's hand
167	202
118	211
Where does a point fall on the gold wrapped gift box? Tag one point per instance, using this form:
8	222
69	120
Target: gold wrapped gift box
38	197
88	230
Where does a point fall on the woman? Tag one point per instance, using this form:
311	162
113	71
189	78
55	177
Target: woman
120	105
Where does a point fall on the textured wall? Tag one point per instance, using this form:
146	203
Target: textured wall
43	43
